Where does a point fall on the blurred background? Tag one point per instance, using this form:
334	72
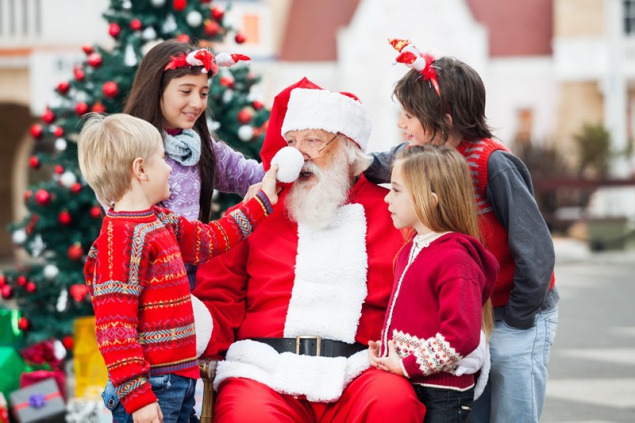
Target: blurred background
560	79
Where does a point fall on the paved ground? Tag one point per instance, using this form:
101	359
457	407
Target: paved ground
592	370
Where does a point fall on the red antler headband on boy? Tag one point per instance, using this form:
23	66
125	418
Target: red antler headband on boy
411	57
206	59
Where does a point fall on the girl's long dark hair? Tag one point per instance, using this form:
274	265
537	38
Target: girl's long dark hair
144	101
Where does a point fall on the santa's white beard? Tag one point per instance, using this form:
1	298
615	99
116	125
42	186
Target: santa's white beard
315	203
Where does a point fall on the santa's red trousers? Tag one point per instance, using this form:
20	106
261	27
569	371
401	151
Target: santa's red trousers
375	396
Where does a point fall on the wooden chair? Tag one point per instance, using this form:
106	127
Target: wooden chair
208	372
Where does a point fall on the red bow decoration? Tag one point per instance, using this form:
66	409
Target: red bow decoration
422	62
206	59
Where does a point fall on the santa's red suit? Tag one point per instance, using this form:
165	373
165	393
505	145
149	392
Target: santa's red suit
288	280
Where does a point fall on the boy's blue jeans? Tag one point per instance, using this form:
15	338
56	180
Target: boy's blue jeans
518	379
445	405
175	395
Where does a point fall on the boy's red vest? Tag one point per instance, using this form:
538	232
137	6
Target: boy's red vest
493	235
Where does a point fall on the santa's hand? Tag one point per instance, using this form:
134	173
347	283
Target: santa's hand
473	362
253	190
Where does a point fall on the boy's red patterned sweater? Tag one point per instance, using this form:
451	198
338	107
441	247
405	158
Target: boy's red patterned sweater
140	293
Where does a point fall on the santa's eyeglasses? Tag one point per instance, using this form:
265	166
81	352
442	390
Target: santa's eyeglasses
312	145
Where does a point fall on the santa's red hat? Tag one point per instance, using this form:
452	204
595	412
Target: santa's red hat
305	105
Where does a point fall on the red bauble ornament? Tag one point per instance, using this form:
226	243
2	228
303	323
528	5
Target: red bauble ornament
64	218
211	28
6	291
3	281
67	341
78	292
110	89
59	131
63	87
258	104
76	188
98	107
43	197
21	280
79	74
34	162
37	131
30	287
179	5
226	81
48	116
240	38
81	108
94	59
75	252
95	212
218	12
183	38
59	169
23	323
88	49
245	116
114	30
27	195
136	25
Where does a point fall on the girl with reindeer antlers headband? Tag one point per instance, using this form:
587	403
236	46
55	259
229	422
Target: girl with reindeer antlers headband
443	102
170	91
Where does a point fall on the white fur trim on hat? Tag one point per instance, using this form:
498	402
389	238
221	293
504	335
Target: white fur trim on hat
330	111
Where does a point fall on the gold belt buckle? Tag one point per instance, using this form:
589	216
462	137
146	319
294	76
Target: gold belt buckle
318	347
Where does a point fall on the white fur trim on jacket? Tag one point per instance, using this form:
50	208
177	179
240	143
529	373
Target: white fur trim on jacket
203	324
326	300
330	278
320	379
327	110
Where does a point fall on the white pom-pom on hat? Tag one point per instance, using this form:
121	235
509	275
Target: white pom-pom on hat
290	162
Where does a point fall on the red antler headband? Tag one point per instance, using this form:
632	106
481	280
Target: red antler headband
206	59
411	57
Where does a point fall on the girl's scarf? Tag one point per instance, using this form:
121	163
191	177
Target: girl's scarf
185	148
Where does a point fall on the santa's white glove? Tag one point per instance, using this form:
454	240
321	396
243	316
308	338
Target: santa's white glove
473	362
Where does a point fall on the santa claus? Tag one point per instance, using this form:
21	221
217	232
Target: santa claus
295	304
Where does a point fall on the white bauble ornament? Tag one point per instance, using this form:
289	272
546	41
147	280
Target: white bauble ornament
228	95
290	162
149	34
60	144
50	271
18	237
245	133
62	301
58	350
130	57
158	3
169	25
194	19
127	5
68	179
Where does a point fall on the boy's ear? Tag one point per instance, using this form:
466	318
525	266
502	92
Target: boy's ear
448	119
138	169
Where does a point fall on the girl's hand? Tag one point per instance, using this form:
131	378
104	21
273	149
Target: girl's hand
269	184
392	363
253	190
151	413
373	352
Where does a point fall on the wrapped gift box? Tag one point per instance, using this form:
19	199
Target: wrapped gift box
39	403
89	367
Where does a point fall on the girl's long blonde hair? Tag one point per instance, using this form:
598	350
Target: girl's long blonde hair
442	171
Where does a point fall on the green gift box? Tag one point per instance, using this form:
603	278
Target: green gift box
11	367
10	334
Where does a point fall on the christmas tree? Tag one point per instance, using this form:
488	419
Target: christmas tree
64	217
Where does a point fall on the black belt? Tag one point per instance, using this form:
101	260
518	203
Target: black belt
313	345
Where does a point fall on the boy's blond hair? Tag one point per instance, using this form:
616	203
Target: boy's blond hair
108	145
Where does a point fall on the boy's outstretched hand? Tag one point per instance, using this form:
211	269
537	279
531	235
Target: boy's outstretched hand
390	364
151	413
268	186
